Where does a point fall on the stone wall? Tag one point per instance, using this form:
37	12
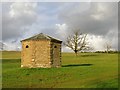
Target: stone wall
26	54
40	53
37	54
56	54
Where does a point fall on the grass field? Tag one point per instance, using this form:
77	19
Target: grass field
88	70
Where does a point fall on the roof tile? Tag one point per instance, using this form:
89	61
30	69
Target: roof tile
42	36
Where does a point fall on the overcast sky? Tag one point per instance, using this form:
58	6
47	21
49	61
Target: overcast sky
23	20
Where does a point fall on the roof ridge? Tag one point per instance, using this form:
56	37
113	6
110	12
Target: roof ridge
42	36
48	37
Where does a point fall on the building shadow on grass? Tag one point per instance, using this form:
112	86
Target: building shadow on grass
75	65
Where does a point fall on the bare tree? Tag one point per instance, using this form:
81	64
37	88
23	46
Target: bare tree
77	42
107	46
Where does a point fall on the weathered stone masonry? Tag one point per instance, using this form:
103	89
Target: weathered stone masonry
41	51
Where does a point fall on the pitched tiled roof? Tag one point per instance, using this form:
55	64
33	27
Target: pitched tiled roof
42	36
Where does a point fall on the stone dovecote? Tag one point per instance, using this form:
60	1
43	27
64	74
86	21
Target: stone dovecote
41	51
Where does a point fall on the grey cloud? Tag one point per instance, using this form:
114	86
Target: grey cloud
89	20
99	19
15	26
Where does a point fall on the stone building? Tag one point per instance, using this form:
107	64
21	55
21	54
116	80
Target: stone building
41	51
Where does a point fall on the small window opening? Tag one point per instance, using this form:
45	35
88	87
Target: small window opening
27	46
55	46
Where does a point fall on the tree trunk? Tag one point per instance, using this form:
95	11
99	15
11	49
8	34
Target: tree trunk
107	50
76	54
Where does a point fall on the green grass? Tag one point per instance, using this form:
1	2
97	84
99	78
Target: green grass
87	70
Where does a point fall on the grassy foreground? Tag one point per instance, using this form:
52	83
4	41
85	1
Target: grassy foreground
88	70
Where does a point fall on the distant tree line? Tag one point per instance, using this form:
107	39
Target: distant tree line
107	51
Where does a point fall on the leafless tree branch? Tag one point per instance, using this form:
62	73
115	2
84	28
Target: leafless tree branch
77	42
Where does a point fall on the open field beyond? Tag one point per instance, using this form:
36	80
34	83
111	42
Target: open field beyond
87	70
